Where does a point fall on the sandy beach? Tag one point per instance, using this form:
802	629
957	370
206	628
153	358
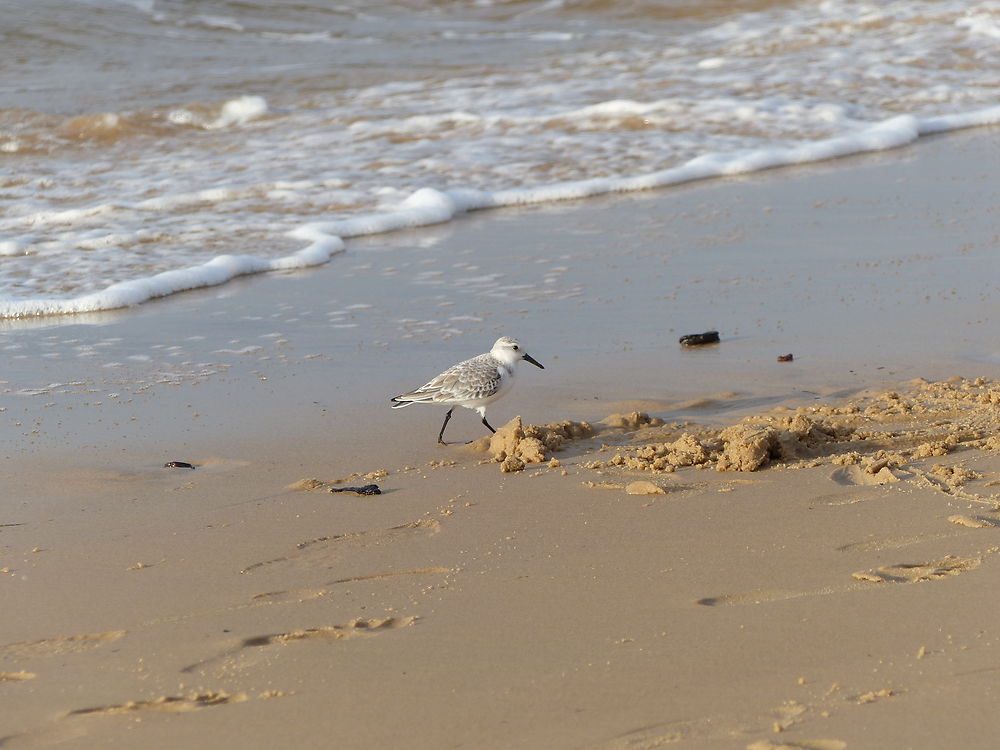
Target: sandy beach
688	547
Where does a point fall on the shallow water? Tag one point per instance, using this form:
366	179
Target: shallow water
146	137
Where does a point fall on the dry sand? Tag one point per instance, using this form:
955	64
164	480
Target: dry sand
702	549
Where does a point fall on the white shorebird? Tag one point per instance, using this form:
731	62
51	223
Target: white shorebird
474	383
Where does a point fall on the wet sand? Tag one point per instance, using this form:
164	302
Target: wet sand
617	591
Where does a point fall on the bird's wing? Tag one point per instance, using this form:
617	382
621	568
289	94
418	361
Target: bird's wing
472	379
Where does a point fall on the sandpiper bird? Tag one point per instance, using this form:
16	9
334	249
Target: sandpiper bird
474	383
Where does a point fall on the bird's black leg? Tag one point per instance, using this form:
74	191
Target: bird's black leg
446	418
488	425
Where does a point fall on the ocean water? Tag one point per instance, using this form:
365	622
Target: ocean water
153	146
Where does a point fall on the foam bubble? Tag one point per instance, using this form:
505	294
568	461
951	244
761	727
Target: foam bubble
239	112
16	245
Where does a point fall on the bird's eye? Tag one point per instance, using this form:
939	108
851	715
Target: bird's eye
515	347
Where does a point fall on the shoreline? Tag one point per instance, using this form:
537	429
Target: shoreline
816	602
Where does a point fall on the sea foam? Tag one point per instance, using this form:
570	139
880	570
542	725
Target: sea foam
217	271
427	206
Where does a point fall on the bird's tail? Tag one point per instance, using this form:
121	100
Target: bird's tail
398	402
413	397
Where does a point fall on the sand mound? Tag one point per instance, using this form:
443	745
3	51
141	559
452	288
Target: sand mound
515	445
878	432
747	447
873	436
687	450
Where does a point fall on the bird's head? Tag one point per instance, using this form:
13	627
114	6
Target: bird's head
510	351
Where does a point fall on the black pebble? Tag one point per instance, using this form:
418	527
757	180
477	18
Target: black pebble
368	489
697	339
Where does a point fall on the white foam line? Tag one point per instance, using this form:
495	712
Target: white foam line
428	206
217	271
889	134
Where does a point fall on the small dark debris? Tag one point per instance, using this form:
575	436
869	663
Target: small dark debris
785	358
698	339
368	489
178	465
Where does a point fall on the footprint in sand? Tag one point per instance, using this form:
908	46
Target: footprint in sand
358	628
326	550
896	542
291	596
974	522
69	644
764	596
172	703
353	629
899	573
918	572
857	475
298	596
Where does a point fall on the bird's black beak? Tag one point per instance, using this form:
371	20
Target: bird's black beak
529	358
